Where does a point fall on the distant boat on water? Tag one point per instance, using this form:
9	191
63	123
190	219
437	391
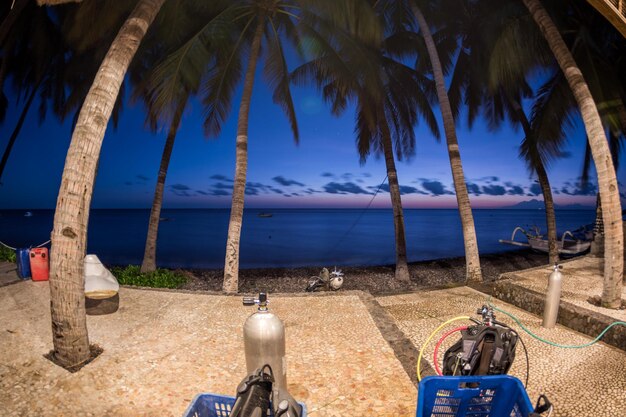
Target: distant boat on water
28	214
265	214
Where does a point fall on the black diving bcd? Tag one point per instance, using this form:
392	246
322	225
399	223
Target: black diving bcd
484	349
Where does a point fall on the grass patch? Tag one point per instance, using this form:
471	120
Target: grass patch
7	254
161	278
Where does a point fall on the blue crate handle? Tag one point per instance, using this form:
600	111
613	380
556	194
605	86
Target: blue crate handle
453	396
215	405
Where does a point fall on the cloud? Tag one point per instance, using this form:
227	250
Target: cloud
286	182
579	189
514	189
488	179
347	176
128	183
473	188
219	193
223	186
142	178
435	187
404	189
179	187
494	189
328	175
181	190
535	188
219	177
202	192
344	188
276	190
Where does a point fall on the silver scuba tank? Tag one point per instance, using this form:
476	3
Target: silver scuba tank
553	298
264	341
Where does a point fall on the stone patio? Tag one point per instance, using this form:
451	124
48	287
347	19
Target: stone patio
348	353
580	382
162	348
582	278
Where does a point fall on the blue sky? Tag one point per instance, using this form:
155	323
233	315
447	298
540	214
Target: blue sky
322	171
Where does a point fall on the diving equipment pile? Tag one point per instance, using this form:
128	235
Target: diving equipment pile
487	348
326	280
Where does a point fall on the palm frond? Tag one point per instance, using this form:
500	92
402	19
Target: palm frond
277	76
221	82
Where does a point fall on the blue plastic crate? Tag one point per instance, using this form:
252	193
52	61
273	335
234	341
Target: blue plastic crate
213	405
472	396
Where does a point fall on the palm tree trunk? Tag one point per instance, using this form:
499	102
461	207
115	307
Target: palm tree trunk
607	181
597	246
149	255
544	183
472	260
402	269
18	128
69	234
231	263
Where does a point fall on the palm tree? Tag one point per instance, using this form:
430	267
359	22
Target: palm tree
275	21
388	96
69	234
171	68
480	79
45	61
598	51
607	181
149	256
34	57
472	260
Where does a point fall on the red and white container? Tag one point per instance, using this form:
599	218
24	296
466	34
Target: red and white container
39	262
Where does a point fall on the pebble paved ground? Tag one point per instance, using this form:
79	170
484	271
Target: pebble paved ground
580	382
162	348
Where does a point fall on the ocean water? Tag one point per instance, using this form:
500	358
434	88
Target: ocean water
196	238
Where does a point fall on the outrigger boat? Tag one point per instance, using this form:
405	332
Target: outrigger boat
570	244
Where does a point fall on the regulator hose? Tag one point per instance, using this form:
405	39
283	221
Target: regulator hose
617	323
435	361
419	358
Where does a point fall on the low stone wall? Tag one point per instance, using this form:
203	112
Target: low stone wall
572	316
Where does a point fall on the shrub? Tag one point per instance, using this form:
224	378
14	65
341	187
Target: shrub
7	254
161	278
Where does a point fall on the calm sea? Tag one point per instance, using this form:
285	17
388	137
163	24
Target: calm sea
289	238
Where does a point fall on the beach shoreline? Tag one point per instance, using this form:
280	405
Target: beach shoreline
376	280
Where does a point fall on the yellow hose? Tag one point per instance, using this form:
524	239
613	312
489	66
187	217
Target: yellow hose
419	358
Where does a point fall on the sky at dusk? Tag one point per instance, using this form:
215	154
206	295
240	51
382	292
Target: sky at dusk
323	170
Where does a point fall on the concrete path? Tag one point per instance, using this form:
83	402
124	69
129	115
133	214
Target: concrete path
580	382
